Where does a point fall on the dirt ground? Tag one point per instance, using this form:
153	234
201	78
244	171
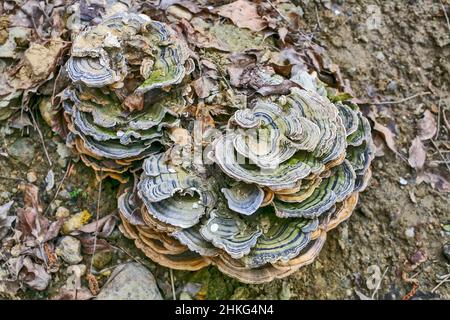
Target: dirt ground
389	50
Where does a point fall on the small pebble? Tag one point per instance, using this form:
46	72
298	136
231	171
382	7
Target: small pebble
101	259
403	181
392	86
409	233
31	177
446	251
69	249
62	212
64	194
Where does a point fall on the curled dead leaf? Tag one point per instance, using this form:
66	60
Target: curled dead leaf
427	126
417	154
244	14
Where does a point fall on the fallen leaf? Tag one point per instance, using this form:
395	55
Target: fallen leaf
243	14
361	295
388	135
5	220
437	181
427	126
203	87
374	277
73	294
105	226
31	197
417	154
34	275
282	33
87	243
50	180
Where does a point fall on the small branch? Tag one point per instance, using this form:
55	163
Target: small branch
444	279
401	100
97	215
14	179
317	17
446	16
379	283
41	137
278	11
440	153
438	119
173	285
68	170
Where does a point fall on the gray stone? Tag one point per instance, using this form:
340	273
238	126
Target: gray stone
101	259
130	281
23	150
69	249
446	251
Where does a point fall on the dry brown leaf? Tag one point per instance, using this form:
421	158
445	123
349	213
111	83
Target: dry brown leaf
437	181
5	220
282	33
93	284
203	87
427	126
73	294
417	154
88	241
34	275
243	14
31	197
388	135
105	226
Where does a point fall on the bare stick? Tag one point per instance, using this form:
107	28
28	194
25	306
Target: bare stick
173	285
440	153
401	100
15	179
278	11
446	16
379	283
438	119
445	279
317	17
96	219
69	168
129	254
41	137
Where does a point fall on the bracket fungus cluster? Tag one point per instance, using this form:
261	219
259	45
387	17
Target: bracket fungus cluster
274	175
124	74
290	170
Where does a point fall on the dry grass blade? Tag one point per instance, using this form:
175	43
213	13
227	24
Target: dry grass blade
402	100
173	285
41	137
445	161
97	216
68	170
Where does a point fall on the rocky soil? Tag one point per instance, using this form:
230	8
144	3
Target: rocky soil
393	245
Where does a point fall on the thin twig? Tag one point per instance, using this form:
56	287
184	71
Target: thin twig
445	279
97	215
402	100
446	16
438	119
41	137
173	285
379	283
440	153
129	254
69	168
15	179
317	17
278	11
